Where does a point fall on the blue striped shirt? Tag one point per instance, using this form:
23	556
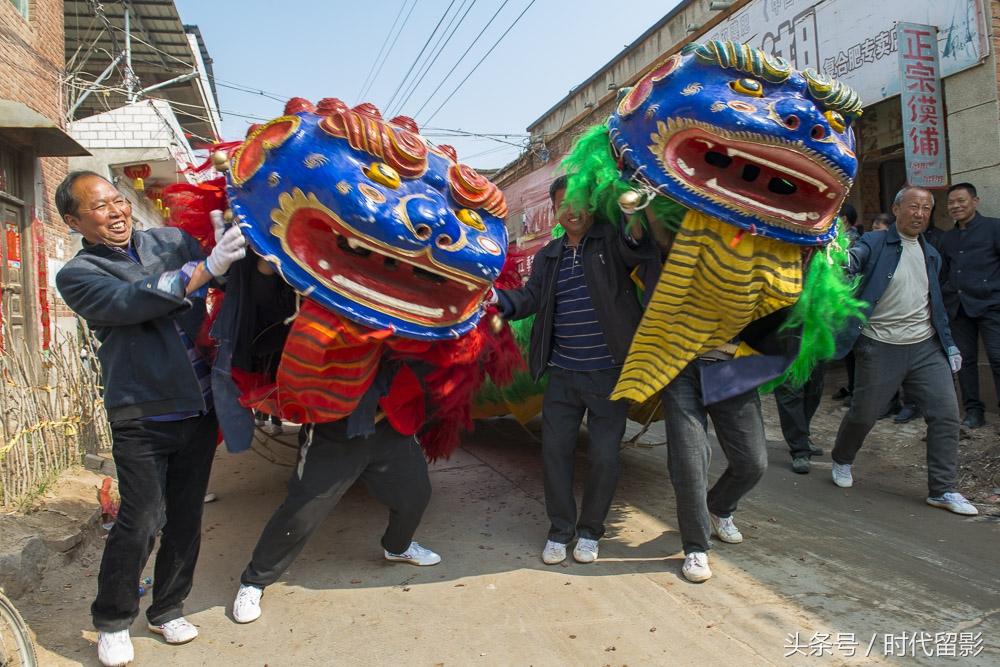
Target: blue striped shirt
577	339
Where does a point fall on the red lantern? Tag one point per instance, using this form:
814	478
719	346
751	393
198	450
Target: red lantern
137	172
155	194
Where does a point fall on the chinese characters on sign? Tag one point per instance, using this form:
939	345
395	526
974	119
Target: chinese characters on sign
855	41
868	50
923	113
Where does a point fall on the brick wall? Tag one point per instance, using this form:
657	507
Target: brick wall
144	124
32	59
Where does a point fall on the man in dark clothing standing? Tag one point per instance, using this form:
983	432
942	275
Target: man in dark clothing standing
905	341
142	293
970	283
587	311
796	407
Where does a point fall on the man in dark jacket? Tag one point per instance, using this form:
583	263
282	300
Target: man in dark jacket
586	310
142	293
970	283
905	341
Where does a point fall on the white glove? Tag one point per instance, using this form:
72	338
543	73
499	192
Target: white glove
230	247
218	224
954	359
491	297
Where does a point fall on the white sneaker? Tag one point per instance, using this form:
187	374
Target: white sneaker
554	553
842	476
724	529
177	631
415	555
953	502
259	421
695	567
585	550
114	649
273	429
246	608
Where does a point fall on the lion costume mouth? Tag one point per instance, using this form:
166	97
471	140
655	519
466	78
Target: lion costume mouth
410	286
780	182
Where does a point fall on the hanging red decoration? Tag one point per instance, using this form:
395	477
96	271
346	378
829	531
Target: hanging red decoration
137	172
38	239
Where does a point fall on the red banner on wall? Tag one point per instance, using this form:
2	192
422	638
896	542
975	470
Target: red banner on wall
38	240
13	246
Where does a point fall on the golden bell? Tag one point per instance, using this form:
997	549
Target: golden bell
496	324
220	161
629	202
227	215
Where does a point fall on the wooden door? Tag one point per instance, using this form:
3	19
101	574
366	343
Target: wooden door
12	272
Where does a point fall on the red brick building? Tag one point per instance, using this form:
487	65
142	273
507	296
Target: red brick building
33	150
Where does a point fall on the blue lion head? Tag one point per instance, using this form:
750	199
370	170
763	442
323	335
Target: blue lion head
366	218
741	136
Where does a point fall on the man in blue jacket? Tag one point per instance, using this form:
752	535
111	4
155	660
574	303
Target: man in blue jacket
905	341
142	293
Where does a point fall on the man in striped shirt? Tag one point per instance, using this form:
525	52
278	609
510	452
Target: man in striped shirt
587	311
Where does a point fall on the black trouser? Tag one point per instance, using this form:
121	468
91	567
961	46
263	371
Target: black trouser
966	331
568	396
393	466
849	366
161	465
796	408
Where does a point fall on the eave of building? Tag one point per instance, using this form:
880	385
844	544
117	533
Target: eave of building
161	48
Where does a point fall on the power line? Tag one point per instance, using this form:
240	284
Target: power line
388	53
419	55
428	65
381	48
495	45
462	57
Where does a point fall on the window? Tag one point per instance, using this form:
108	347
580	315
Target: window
21	6
10	172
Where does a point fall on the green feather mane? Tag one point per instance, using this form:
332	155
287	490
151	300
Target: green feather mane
826	306
594	183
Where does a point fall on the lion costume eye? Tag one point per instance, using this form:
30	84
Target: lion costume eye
471	219
383	174
836	121
750	87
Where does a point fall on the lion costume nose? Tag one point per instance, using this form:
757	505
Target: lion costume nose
432	222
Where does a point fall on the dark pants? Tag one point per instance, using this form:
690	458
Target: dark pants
966	331
161	465
739	427
796	408
392	465
568	396
849	367
922	369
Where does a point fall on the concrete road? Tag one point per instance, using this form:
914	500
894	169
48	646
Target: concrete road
817	560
